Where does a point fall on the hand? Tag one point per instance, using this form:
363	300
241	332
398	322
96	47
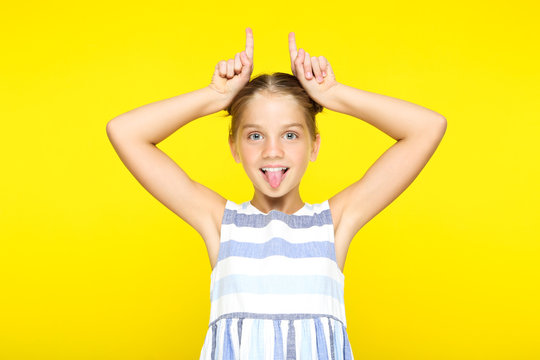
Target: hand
232	75
314	73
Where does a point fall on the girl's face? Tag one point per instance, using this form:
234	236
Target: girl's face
273	133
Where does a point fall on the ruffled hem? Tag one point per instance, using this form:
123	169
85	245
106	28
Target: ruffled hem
316	338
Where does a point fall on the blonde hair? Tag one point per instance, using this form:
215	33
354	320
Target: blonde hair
277	83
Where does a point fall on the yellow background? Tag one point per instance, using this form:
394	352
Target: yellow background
93	267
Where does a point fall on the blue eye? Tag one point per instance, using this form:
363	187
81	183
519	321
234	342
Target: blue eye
293	134
289	133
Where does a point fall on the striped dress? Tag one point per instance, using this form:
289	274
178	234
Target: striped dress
276	291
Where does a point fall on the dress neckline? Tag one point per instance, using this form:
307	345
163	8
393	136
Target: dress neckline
259	211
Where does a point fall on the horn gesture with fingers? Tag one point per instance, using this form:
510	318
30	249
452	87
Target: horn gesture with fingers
232	75
314	73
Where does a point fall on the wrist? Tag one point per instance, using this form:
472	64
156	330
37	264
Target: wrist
220	100
334	97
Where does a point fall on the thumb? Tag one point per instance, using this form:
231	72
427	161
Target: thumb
329	70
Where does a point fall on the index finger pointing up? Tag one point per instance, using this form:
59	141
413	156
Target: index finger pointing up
249	42
292	47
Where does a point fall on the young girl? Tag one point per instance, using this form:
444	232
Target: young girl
277	262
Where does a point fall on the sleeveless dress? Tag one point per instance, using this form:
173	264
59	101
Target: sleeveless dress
276	291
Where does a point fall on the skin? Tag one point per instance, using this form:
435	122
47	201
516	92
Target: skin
273	142
416	130
271	113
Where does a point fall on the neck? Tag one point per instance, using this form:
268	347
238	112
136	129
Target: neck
288	204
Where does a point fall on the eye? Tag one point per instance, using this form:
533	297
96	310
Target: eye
291	133
249	136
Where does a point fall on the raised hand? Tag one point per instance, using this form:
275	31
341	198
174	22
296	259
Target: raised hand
314	73
232	75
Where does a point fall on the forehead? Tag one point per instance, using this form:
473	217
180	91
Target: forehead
264	111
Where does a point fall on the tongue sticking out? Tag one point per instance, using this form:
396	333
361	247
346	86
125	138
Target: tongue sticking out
275	177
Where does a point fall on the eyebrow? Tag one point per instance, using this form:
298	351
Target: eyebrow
244	126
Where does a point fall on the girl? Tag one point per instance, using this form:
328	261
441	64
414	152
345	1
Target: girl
277	263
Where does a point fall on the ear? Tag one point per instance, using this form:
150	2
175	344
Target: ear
315	148
234	153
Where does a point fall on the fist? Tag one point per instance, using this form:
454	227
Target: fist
314	73
232	75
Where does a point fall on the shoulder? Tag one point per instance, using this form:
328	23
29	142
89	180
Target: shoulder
342	235
336	210
226	208
214	217
219	210
211	234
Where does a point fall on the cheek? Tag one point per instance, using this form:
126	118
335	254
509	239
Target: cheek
248	155
300	156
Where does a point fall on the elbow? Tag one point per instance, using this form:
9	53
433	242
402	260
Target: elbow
442	125
441	119
117	130
109	128
437	124
438	128
113	129
434	128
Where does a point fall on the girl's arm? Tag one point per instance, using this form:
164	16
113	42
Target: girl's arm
152	123
135	134
418	132
398	118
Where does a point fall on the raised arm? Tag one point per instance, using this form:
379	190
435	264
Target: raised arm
135	134
154	122
418	132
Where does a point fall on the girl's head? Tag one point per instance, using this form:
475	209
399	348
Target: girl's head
274	84
273	124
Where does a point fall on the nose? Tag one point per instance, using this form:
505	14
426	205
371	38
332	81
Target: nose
272	148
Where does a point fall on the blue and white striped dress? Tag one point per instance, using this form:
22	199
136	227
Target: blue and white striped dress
276	291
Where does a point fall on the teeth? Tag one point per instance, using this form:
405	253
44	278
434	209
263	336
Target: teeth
274	169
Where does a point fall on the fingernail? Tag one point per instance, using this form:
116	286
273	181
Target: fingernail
323	73
309	75
320	79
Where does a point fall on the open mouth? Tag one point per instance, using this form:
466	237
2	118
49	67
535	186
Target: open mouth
274	177
282	171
